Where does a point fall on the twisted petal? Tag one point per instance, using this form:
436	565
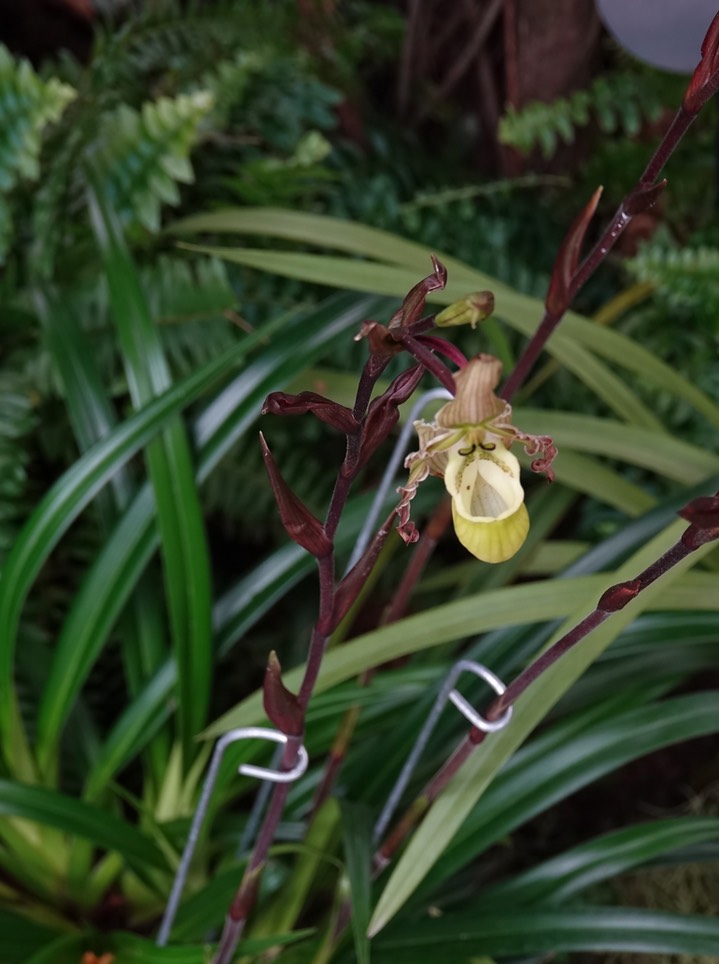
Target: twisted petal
490	518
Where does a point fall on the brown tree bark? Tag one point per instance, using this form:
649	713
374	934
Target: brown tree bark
37	29
557	43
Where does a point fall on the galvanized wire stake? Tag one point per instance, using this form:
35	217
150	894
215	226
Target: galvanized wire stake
390	471
447	692
258	807
246	769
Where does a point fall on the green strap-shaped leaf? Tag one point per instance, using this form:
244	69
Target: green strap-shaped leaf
514	605
448	813
457	938
241	608
357	835
132	730
520	311
52	809
21	936
65	950
531	783
131	949
130	546
64	501
93	418
169	462
672	457
281	914
592	477
600	859
393	280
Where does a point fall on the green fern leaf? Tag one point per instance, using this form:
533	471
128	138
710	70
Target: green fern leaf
194	305
620	102
27	105
141	156
687	277
17	421
5	226
60	191
172	44
229	82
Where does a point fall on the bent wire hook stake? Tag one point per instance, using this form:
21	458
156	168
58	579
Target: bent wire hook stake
447	692
246	769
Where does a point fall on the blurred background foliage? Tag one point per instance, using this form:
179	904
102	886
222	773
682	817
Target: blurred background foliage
432	127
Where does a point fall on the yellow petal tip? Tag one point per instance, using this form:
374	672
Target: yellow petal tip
494	541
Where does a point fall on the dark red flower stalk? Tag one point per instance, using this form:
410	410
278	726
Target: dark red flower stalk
383	412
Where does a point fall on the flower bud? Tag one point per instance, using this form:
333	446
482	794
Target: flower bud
559	293
695	538
702	512
470	310
413	305
704	79
281	706
332	413
617	597
300	525
383	413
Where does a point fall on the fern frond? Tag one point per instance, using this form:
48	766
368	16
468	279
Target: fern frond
27	105
620	102
179	42
686	276
228	83
179	290
285	100
274	180
5	227
193	304
58	198
141	156
17	421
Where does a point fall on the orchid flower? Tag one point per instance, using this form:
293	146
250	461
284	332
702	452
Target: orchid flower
468	445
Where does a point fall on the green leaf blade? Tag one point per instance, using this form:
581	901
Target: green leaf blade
459	937
450	810
184	546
